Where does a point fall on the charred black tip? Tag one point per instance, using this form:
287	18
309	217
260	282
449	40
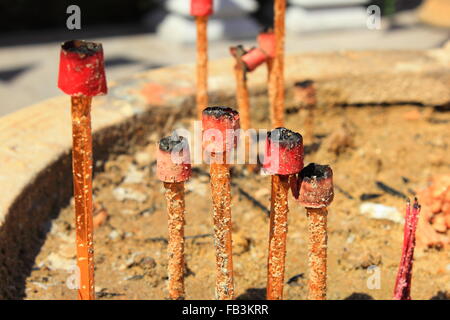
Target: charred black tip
285	137
304	84
238	51
82	47
416	204
316	171
267	29
220	112
171	143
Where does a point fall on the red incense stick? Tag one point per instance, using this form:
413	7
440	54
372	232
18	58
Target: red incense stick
402	289
201	9
283	158
174	168
82	75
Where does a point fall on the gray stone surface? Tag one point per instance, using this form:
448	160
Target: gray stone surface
299	19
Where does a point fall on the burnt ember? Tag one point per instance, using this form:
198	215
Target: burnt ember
285	137
173	142
304	84
220	112
315	171
82	47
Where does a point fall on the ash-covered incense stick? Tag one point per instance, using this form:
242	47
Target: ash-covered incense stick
305	96
266	41
82	75
402	289
316	194
283	158
201	9
174	168
219	124
277	77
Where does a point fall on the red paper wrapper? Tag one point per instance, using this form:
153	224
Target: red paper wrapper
173	162
266	41
219	129
201	8
316	186
81	69
253	58
284	152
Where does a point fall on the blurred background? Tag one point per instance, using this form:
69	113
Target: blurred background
141	34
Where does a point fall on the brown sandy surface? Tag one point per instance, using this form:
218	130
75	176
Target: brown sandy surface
376	144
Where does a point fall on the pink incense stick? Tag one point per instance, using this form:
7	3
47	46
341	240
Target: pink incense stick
402	289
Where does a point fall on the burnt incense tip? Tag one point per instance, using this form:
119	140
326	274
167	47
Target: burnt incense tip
316	188
284	152
305	93
285	137
266	29
219	127
220	112
237	51
304	84
172	159
172	143
81	69
314	171
82	47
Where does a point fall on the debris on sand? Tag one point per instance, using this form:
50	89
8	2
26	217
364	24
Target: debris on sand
123	194
434	222
380	211
341	139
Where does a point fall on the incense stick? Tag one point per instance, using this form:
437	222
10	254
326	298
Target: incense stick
201	9
221	121
283	158
316	193
82	75
277	76
174	168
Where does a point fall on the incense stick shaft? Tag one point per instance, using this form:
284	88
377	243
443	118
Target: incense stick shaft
176	211
317	226
202	64
277	77
221	193
277	237
402	288
243	103
242	96
82	182
271	91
